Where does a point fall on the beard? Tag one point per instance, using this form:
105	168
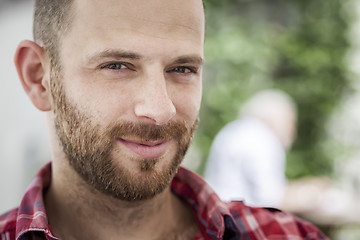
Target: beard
90	149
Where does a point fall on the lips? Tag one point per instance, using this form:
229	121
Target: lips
147	150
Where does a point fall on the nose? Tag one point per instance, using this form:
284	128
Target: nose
154	104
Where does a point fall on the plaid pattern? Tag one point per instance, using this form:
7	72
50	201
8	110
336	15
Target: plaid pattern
235	220
29	220
216	219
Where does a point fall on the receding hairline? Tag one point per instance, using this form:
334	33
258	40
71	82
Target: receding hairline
59	21
52	20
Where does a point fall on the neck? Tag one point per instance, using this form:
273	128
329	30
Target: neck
78	211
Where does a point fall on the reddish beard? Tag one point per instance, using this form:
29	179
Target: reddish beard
89	148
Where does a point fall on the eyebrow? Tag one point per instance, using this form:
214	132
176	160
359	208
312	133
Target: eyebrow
189	59
114	54
122	54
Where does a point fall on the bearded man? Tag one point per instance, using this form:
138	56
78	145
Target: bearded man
121	83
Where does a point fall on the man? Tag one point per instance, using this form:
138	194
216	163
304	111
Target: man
121	83
247	158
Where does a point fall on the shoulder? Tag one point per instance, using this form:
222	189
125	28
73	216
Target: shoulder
8	224
232	135
271	223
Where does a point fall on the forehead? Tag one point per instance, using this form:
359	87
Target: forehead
158	29
157	18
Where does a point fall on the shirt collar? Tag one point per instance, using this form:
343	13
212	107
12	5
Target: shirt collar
213	215
31	214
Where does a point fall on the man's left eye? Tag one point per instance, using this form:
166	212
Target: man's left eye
183	70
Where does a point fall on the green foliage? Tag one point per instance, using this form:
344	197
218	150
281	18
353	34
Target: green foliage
297	46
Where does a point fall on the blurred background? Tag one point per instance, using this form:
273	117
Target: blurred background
23	140
309	49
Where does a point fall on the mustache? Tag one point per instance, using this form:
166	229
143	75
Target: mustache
150	132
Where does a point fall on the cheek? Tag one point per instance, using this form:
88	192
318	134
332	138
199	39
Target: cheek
106	100
112	106
103	105
187	102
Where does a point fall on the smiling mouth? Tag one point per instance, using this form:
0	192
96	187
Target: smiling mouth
144	149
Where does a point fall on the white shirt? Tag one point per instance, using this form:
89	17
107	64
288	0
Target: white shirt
247	162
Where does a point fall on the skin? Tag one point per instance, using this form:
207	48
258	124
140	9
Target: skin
131	60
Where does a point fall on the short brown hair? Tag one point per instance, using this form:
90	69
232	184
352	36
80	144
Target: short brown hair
51	21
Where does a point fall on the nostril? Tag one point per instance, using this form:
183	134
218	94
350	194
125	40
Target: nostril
158	113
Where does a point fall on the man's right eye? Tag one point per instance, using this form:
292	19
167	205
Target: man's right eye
114	66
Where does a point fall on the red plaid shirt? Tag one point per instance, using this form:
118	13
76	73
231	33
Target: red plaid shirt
216	219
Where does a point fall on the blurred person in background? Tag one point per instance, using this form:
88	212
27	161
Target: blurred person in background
121	83
248	157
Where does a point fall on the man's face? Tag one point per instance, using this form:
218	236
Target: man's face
127	98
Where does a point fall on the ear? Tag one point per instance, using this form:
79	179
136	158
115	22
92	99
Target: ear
32	65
